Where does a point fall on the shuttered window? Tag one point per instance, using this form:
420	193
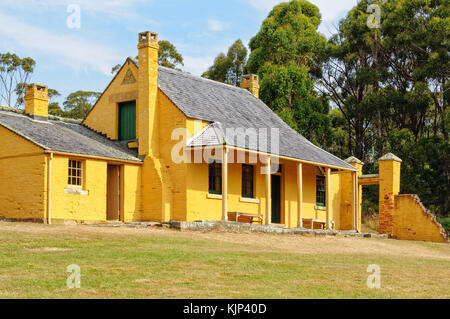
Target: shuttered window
320	191
127	121
215	178
247	181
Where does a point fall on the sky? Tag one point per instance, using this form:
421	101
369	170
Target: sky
77	54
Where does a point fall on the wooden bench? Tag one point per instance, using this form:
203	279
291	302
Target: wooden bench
245	218
312	222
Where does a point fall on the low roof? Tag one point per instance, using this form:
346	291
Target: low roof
59	136
236	108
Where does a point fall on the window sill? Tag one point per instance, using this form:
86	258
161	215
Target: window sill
74	191
249	200
214	196
320	208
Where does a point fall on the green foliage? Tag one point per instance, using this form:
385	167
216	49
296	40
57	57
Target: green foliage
79	103
14	75
350	78
390	88
168	56
284	54
422	169
231	67
116	68
445	222
53	106
288	34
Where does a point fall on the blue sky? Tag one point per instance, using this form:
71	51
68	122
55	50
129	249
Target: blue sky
70	59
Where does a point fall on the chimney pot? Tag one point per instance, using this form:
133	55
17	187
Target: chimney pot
148	39
36	101
251	83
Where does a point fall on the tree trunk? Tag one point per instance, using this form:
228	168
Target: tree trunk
359	140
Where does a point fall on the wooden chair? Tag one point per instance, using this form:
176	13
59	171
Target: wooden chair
322	224
245	218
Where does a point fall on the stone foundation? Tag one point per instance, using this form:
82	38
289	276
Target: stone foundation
268	229
208	226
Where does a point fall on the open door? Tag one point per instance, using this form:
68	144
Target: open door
113	193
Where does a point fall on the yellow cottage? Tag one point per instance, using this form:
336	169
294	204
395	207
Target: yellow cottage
162	145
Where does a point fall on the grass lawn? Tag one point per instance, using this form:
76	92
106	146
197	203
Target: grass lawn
158	263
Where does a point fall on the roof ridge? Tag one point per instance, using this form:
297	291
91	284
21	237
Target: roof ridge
50	116
194	77
202	79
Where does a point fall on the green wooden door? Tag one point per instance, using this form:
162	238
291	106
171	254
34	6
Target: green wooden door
127	121
276	199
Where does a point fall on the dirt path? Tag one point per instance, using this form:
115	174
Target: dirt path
261	242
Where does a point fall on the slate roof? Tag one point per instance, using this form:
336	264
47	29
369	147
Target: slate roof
226	107
235	108
59	136
211	135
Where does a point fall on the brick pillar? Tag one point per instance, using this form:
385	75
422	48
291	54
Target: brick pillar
390	166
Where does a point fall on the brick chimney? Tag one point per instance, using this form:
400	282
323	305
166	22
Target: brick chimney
251	83
147	124
36	101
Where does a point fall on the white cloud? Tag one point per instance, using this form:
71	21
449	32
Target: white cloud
79	54
216	25
265	5
197	64
332	10
112	8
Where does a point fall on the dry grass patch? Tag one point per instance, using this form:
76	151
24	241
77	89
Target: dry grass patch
159	263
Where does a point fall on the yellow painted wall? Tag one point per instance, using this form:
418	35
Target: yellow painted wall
346	207
131	198
179	191
346	212
104	116
200	207
413	222
164	181
22	178
92	207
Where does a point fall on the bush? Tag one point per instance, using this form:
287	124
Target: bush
445	222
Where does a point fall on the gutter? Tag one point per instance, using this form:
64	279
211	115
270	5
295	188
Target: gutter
278	156
109	159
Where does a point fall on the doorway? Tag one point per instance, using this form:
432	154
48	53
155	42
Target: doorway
113	193
276	199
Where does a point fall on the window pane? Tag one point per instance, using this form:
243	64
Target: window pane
75	173
215	178
247	180
320	190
